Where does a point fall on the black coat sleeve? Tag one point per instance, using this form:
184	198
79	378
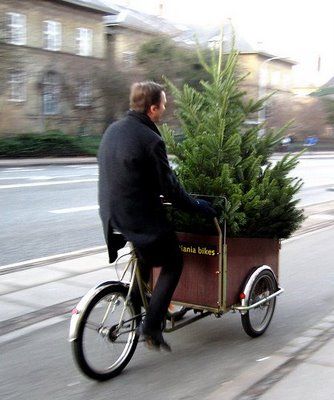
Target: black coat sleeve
169	185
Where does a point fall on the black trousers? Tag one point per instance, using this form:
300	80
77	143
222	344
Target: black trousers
164	253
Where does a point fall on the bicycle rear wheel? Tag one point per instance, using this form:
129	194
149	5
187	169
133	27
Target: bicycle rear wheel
103	346
256	321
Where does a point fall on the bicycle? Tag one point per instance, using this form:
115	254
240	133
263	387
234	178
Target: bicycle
103	324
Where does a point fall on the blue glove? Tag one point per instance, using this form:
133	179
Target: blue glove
205	208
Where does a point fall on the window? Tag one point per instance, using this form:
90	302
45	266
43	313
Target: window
17	86
51	93
52	35
129	58
84	41
16	28
84	98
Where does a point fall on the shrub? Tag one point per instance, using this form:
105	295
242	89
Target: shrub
48	144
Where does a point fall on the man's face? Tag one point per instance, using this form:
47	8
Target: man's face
156	111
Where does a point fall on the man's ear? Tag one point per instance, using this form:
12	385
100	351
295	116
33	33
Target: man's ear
151	111
154	108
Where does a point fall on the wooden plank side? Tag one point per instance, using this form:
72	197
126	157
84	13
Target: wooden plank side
243	254
198	284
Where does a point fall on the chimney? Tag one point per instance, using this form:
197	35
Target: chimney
161	10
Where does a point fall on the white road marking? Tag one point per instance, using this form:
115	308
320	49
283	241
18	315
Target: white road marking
20	169
41	177
74	209
263	359
78	166
73	384
46	183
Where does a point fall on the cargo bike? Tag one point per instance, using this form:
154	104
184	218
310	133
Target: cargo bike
220	274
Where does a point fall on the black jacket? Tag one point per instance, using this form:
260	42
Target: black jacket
133	172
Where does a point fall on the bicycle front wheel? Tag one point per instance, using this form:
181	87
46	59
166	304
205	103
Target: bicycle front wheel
106	340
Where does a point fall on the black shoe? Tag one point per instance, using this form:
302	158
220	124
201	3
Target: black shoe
153	339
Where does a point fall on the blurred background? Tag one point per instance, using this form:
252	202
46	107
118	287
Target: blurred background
66	66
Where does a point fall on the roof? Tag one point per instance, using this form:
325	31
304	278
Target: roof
137	20
242	45
185	35
96	5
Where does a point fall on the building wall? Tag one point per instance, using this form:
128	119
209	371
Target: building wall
274	75
71	70
124	42
123	69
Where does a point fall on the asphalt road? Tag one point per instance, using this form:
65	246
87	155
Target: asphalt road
38	365
41	211
52	210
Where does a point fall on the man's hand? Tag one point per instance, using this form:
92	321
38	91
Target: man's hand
205	208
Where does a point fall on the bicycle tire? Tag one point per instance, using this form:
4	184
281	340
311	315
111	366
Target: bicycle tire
264	285
86	357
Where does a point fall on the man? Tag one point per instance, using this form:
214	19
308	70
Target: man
133	173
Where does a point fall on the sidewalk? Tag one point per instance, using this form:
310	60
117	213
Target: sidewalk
303	369
34	292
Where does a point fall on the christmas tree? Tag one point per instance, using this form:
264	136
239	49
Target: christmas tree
222	156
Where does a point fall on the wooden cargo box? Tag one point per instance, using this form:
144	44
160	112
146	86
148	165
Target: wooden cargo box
202	281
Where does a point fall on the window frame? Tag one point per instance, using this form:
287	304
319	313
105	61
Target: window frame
17	86
52	35
51	80
84	94
84	42
16	30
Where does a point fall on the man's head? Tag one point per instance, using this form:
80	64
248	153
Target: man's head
148	98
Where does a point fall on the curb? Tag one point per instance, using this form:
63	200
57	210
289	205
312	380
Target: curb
34	162
26	162
254	382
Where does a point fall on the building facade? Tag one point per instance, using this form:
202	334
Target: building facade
52	66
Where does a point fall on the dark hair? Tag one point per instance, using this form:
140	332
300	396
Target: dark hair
143	95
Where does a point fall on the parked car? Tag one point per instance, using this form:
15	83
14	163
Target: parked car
286	141
310	141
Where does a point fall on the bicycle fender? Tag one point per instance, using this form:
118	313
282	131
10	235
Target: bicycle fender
250	281
78	311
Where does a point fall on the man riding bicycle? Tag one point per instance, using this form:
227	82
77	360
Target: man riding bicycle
133	173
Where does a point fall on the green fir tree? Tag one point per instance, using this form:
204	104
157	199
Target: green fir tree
222	156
